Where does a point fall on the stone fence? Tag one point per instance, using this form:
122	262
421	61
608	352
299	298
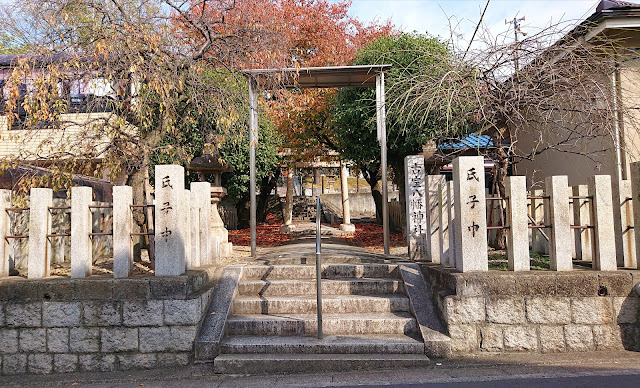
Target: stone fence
537	311
448	222
101	324
185	231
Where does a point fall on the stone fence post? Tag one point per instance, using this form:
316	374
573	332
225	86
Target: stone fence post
452	218
201	231
81	251
635	195
470	214
623	220
602	215
443	224
122	228
39	226
185	213
557	188
518	223
433	208
5	229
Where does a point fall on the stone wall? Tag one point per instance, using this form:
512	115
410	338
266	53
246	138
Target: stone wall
99	323
360	204
537	312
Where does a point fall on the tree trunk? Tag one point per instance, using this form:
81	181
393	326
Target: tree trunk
244	212
501	161
266	186
137	181
372	178
397	165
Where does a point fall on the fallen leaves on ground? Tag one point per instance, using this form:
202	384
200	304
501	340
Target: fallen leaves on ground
369	235
267	234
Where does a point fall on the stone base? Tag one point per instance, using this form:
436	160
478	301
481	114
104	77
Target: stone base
348	228
226	249
287	228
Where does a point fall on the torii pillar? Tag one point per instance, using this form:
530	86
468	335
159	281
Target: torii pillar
346	225
288	226
320	77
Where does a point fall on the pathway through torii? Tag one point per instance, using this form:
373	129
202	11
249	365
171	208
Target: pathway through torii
320	77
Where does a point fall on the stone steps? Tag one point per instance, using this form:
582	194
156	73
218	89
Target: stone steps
334	259
329	287
333	304
329	271
351	344
332	324
300	363
273	326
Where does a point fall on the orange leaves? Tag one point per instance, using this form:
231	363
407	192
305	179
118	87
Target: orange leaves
369	235
267	234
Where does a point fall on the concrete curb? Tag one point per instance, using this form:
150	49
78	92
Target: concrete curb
207	345
436	343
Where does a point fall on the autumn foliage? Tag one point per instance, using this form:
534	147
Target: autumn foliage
286	33
292	34
320	34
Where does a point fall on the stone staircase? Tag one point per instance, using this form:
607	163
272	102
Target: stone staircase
304	209
273	326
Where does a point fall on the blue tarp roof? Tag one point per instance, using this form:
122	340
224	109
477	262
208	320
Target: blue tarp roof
469	141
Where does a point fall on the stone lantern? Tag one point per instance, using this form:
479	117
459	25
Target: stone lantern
213	164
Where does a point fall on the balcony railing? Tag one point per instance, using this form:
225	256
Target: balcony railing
80	104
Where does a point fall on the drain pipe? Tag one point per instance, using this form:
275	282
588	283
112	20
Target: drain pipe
318	269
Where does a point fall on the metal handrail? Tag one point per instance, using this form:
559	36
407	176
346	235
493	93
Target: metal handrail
318	270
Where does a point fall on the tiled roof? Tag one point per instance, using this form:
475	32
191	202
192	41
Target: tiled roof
469	141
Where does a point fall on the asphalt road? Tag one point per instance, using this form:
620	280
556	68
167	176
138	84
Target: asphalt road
567	381
494	377
616	369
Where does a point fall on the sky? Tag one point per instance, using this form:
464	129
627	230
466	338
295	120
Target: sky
433	16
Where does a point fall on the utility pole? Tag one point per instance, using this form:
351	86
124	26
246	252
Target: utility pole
516	29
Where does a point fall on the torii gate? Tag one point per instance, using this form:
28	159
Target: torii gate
366	76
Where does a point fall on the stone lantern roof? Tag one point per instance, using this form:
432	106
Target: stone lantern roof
209	164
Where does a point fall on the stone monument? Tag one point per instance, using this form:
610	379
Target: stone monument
470	224
416	206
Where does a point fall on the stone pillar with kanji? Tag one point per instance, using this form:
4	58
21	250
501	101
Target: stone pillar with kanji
170	228
470	214
416	206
